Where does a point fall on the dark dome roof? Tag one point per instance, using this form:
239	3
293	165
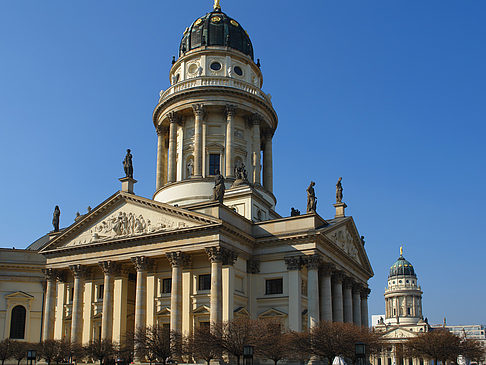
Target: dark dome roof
401	267
216	29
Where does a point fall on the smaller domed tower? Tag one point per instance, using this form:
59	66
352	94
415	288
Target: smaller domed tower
403	296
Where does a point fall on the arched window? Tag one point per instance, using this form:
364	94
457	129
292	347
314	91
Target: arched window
17	323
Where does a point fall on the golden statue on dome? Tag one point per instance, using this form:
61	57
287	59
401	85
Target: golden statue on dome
216	5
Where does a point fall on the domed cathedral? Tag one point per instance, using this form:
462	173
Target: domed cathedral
214	118
403	314
209	245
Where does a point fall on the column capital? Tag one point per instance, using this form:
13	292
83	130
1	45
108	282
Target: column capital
231	110
255	119
109	267
348	282
52	274
268	135
293	262
365	292
79	271
229	257
198	110
173	117
357	287
338	276
253	266
327	268
313	261
178	259
141	263
161	130
221	254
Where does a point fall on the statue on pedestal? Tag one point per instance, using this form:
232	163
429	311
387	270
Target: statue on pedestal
127	165
241	177
311	198
294	212
55	218
339	191
219	188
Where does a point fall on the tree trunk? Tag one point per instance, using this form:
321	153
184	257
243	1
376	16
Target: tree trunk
238	359
275	361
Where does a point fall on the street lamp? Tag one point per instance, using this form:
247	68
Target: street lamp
360	351
248	355
31	357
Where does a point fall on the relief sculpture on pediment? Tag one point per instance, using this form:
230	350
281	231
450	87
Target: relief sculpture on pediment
345	241
125	224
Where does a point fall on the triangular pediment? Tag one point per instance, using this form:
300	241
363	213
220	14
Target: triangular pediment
344	235
125	216
272	312
164	311
397	333
202	309
19	295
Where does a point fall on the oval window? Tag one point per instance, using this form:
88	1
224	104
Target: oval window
215	66
238	71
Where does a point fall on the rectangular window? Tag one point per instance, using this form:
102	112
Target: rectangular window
166	286
71	295
421	361
204	324
204	282
273	286
379	361
408	311
410	362
214	164
101	289
389	361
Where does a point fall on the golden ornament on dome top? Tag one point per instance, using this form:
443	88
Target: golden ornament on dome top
216	5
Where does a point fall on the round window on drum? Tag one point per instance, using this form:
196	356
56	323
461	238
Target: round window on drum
238	70
215	66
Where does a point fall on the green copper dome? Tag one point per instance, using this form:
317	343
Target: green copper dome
401	267
216	29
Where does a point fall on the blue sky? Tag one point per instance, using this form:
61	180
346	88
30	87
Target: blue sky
390	95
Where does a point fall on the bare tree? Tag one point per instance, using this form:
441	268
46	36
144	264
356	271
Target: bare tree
473	350
203	344
19	350
272	342
48	350
100	350
331	339
235	334
157	344
6	350
438	344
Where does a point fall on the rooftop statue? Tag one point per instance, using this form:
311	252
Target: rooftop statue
127	165
55	218
311	198
339	191
294	212
219	188
241	177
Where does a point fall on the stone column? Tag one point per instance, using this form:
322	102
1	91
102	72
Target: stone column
49	306
141	264
325	292
256	120
294	264
252	270
216	257
178	260
364	307
268	163
357	304
348	300
337	297
228	281
313	262
109	269
77	315
171	165
161	161
198	117
230	114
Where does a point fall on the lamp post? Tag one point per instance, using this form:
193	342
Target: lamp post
360	351
31	357
248	355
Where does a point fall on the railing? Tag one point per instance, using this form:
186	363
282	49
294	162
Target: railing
214	81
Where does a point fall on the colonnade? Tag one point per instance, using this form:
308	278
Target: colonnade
261	140
218	257
398	305
331	295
